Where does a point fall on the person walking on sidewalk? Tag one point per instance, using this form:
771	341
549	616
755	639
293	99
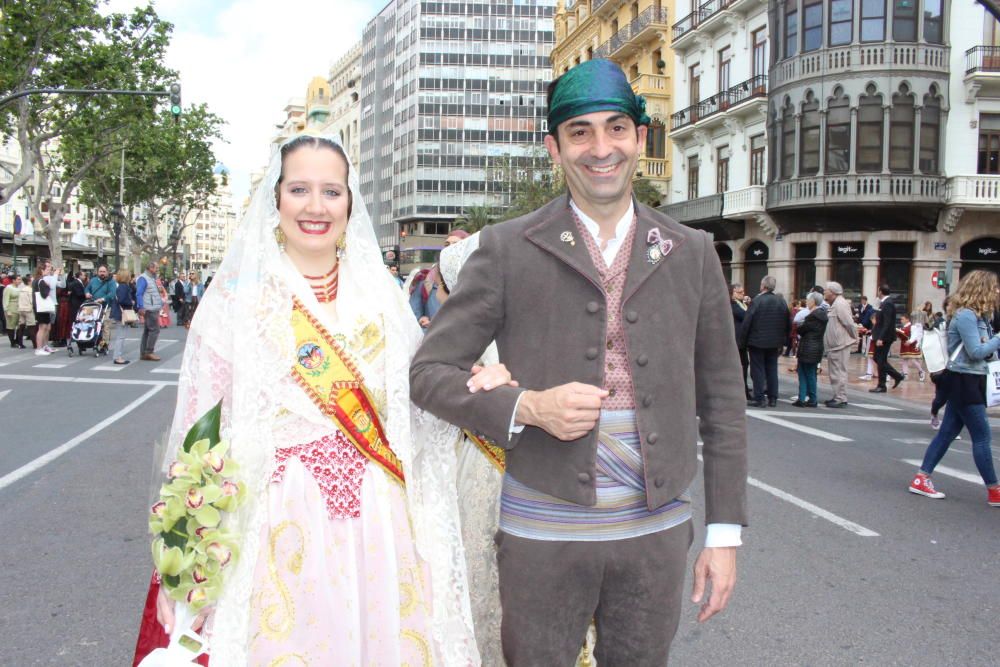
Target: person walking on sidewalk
882	337
911	336
15	327
149	302
810	350
765	330
970	334
737	299
839	339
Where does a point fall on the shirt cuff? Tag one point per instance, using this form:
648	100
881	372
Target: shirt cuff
723	535
515	428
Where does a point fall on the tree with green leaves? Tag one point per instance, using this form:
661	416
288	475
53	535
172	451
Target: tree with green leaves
169	172
646	192
474	218
70	44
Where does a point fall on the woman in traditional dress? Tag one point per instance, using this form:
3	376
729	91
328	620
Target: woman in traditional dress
349	539
911	335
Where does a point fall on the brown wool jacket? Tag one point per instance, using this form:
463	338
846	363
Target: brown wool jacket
539	297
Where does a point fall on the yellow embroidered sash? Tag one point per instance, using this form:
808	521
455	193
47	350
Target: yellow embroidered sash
333	382
496	455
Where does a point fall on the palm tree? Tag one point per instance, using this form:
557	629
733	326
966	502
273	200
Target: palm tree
474	218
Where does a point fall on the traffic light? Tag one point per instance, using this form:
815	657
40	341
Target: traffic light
175	100
941	282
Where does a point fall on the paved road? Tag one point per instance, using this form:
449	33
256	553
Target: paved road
841	566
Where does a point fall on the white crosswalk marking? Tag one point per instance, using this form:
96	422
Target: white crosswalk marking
772	419
51	365
876	406
4	393
172	371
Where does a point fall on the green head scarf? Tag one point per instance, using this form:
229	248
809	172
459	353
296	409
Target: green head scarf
594	85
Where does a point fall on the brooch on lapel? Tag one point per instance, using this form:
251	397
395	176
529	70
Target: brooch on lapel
567	237
657	247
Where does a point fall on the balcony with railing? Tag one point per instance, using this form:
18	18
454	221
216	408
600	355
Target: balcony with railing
745	202
855	58
701	209
736	99
978	191
651	167
603	8
651	84
982	72
708	18
844	189
648	24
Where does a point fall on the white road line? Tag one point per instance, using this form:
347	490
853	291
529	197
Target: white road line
846	524
64	378
51	365
47	458
4	393
111	367
173	371
770	418
950	472
828	414
876	406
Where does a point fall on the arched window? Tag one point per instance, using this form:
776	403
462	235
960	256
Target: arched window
809	137
901	119
787	141
930	132
838	133
869	131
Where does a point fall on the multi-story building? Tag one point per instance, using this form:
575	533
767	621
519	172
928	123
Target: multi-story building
877	152
209	229
295	120
345	102
635	35
452	101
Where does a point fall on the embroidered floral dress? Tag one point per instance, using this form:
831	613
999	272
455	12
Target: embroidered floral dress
337	578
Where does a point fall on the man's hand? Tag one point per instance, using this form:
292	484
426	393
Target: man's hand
878	343
424	321
717	565
489	377
567	412
165	612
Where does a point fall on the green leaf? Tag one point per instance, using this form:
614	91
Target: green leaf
177	535
208	427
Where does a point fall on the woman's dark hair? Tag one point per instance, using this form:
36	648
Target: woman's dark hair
26	278
313	142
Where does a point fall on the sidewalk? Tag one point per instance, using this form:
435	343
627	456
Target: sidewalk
911	390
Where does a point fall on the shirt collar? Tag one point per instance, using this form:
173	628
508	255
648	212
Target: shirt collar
621	227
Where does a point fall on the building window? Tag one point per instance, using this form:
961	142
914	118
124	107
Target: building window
760	52
841	22
872	20
787	142
812	25
692	177
694	85
930	129
757	151
838	134
989	144
933	22
656	140
901	119
791	28
904	20
809	137
722	169
870	132
725	57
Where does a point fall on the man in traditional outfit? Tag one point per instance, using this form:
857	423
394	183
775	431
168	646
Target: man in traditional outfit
612	318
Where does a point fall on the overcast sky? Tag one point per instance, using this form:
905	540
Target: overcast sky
247	58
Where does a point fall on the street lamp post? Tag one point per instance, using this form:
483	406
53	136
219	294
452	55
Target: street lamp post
116	225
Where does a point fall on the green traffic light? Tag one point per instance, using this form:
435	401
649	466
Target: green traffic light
175	110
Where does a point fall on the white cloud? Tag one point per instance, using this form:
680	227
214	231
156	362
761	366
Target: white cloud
247	58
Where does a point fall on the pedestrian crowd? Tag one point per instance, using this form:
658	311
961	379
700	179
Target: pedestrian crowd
825	324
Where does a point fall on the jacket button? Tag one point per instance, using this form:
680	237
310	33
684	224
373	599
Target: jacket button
647	401
658	482
583	477
632	316
593	307
652	438
591	353
642	360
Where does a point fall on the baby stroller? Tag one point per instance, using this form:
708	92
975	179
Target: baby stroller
88	329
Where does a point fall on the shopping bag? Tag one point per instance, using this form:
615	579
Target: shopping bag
993	384
129	317
935	349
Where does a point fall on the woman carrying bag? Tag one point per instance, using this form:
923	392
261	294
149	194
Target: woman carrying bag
971	342
122	315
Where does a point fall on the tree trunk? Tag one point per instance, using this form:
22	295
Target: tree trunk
56	213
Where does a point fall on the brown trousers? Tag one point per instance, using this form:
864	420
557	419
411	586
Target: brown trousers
632	588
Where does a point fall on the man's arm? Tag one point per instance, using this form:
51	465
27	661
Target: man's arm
461	330
847	319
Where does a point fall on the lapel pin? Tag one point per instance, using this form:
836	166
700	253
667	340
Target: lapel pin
657	247
567	237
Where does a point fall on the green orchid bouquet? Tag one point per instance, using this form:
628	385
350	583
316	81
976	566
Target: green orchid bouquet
190	549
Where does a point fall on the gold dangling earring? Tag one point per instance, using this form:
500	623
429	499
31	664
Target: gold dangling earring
279	236
342	245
